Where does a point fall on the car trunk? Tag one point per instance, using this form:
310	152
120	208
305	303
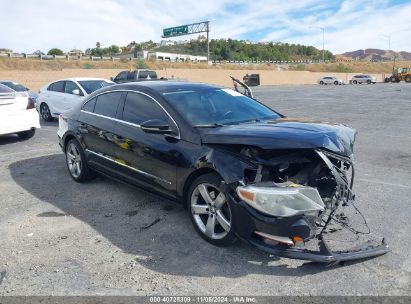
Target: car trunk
12	104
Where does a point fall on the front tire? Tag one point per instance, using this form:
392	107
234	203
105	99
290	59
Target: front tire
27	134
321	82
45	112
76	162
368	81
336	82
408	79
210	211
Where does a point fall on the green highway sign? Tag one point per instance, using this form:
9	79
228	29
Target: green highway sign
175	31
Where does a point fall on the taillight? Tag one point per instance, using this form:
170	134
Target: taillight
31	104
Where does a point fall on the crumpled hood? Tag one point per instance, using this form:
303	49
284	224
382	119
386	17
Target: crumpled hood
285	133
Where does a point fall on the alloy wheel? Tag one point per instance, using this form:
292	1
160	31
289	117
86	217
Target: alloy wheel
74	161
211	212
45	112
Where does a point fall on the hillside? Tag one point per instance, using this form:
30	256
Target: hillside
377	55
241	50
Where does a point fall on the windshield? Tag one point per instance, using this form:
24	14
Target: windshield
93	85
214	107
15	86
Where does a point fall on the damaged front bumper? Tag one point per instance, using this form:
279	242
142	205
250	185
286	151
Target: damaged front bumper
324	254
285	236
278	236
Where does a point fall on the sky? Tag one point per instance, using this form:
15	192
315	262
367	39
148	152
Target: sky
68	24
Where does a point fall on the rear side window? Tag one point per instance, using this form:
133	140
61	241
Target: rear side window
107	104
139	108
57	87
89	105
147	74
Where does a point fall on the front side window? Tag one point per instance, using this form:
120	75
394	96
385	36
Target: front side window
107	104
139	108
122	76
213	106
70	87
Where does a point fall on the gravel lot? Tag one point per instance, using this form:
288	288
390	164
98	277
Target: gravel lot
58	237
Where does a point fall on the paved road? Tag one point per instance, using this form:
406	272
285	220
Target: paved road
63	238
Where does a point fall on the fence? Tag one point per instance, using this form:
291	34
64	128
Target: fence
58	57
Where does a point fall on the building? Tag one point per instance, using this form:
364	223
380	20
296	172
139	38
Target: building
153	55
77	53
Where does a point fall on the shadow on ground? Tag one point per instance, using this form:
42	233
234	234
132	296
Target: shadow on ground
158	232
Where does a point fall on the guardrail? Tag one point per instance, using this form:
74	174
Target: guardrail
59	57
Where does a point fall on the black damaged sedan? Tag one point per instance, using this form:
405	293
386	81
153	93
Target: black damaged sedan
242	170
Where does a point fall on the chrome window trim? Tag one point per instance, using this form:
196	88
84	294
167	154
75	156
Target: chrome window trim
178	136
129	167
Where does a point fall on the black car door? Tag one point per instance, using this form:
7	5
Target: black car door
97	128
150	159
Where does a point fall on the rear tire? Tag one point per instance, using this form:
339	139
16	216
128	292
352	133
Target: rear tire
210	211
321	82
45	112
336	82
354	81
27	134
368	81
408	78
76	162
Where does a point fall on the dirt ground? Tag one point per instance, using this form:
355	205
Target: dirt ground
36	79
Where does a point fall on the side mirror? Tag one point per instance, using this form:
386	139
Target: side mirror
76	92
156	126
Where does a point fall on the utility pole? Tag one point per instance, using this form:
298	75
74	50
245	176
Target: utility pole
208	41
323	29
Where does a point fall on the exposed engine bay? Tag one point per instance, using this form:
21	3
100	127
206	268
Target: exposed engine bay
310	185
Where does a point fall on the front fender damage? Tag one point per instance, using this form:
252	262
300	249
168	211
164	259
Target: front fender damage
332	175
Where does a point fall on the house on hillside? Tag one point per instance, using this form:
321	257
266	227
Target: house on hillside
75	52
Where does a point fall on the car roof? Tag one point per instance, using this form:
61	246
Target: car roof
6	80
80	79
163	86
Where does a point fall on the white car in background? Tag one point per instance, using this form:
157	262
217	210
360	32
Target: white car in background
368	79
330	80
17	113
61	95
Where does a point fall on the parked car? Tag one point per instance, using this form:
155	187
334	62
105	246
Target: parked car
330	80
17	113
368	79
19	88
61	95
136	75
241	169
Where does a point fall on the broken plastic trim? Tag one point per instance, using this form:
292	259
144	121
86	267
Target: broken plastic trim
325	255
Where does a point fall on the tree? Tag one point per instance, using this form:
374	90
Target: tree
98	45
55	51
